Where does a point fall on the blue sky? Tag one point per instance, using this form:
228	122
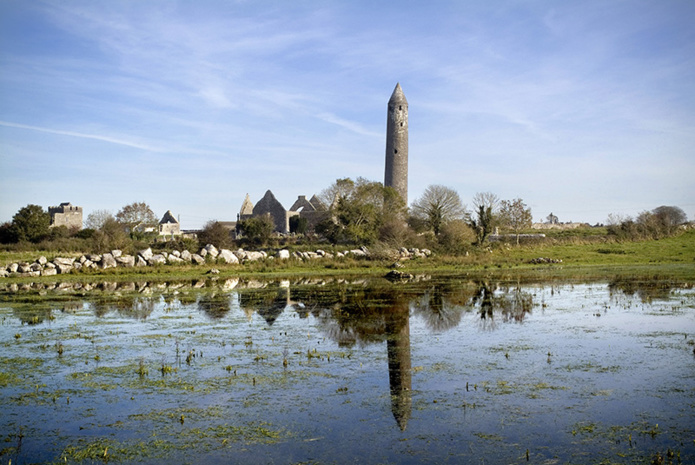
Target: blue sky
581	108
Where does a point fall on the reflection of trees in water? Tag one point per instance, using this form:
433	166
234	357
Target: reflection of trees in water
442	305
510	303
138	307
646	290
32	314
347	315
214	305
269	302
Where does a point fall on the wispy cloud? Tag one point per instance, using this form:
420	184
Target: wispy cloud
111	140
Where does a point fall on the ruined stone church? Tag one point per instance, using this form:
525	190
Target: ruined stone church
313	210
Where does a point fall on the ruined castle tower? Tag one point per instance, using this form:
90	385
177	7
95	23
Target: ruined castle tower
396	173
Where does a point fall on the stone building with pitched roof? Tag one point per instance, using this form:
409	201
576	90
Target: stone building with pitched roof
312	210
169	225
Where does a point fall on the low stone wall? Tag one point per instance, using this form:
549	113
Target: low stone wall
208	254
513	237
560	226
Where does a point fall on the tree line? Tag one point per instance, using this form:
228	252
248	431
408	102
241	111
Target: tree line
360	212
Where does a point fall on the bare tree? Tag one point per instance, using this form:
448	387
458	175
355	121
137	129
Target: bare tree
515	215
97	219
136	217
616	219
483	223
437	206
340	189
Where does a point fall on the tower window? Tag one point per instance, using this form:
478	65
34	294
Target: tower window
395	151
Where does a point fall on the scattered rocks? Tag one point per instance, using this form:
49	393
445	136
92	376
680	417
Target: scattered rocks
395	275
544	260
208	254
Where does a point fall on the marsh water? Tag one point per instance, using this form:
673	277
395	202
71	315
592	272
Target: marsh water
447	369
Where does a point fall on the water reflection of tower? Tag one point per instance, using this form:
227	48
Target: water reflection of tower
398	350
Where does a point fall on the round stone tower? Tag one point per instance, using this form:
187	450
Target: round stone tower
396	173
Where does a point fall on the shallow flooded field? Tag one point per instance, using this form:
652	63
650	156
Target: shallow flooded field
436	370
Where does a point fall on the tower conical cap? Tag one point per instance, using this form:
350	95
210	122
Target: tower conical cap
398	96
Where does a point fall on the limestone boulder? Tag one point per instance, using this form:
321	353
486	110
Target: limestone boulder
49	272
116	253
64	261
197	259
212	250
13	267
228	256
41	260
126	261
140	261
62	268
107	261
186	255
146	253
255	256
157	259
283	254
176	253
395	275
23	268
174	260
